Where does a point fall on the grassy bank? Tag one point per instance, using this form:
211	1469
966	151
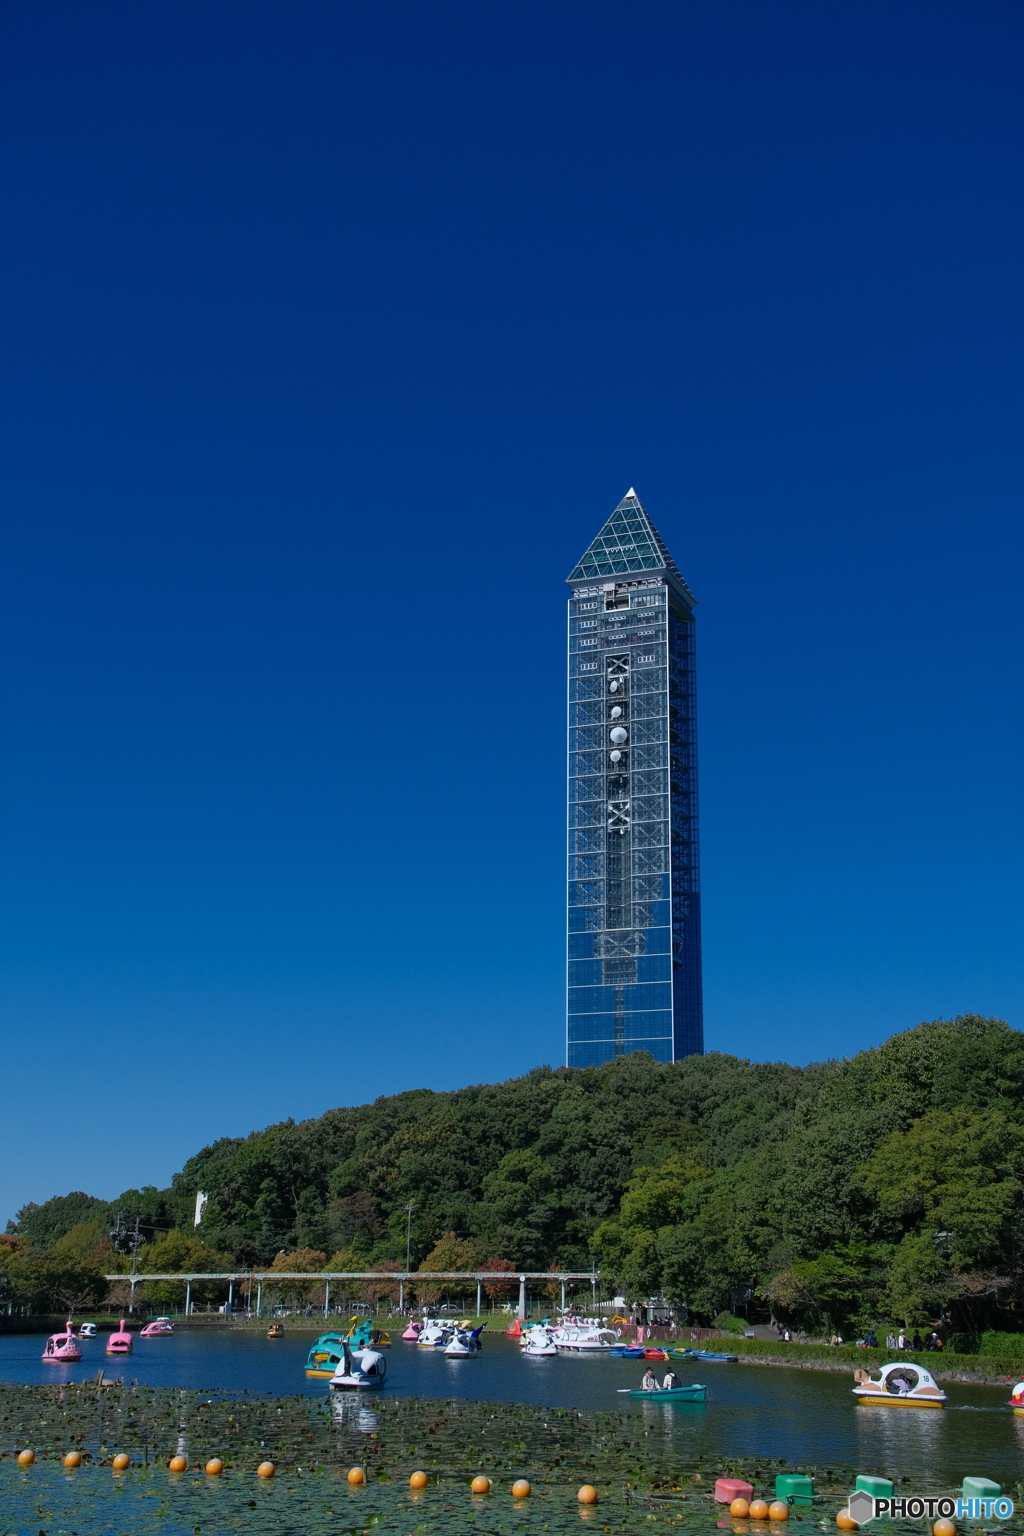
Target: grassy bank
944	1365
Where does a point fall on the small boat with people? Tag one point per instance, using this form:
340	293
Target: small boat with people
87	1330
359	1369
275	1331
413	1331
120	1341
671	1390
695	1393
898	1385
159	1328
62	1348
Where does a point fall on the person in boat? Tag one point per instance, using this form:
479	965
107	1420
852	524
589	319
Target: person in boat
900	1384
671	1381
650	1381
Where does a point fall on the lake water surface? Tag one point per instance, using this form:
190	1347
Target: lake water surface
807	1416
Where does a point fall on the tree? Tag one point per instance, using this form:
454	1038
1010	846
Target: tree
44	1224
495	1290
309	1261
449	1253
52	1282
179	1253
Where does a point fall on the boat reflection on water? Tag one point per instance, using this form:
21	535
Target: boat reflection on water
352	1414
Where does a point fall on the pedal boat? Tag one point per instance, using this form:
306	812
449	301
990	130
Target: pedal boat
898	1385
275	1331
62	1348
157	1329
1017	1398
538	1343
87	1330
329	1350
696	1393
359	1369
464	1344
120	1342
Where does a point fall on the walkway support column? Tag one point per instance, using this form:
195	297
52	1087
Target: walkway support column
259	1295
478	1295
521	1312
327	1299
231	1294
563	1295
188	1297
401	1296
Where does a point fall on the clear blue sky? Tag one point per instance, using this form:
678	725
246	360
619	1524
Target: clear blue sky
331	335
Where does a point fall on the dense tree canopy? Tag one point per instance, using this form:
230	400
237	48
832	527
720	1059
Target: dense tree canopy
885	1186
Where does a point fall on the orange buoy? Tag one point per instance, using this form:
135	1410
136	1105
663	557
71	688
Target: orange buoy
73	1459
521	1488
121	1461
177	1464
356	1475
944	1528
417	1480
759	1509
587	1494
845	1521
266	1469
480	1484
215	1466
779	1510
739	1507
26	1458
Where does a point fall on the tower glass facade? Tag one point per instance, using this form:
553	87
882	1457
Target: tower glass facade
634	958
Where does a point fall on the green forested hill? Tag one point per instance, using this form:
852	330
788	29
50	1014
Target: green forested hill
888	1185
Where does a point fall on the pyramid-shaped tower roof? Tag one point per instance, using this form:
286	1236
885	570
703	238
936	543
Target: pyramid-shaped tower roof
628	546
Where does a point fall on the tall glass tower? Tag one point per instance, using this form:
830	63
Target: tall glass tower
634	967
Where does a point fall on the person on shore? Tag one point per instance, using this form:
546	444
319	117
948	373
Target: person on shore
650	1381
901	1342
786	1336
890	1341
870	1339
916	1343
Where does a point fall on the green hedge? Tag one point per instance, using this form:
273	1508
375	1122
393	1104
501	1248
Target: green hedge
941	1361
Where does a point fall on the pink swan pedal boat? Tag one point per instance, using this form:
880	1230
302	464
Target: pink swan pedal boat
62	1348
898	1385
157	1328
413	1331
120	1342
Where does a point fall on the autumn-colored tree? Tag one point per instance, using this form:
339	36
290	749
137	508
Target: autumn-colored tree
309	1261
448	1253
499	1290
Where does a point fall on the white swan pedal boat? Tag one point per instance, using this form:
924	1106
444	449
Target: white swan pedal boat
898	1385
359	1369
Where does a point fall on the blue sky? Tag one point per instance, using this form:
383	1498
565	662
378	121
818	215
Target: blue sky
332	334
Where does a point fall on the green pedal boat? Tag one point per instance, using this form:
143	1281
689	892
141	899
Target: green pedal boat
694	1394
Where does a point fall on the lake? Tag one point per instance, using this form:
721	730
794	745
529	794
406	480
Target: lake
806	1416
